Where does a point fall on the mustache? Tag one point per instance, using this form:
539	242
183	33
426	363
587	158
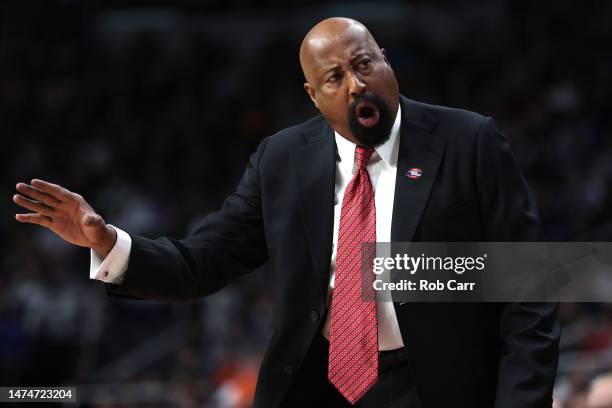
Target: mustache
368	97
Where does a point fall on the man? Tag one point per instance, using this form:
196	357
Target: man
374	167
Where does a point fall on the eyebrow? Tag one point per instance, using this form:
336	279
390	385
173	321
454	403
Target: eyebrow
361	54
330	70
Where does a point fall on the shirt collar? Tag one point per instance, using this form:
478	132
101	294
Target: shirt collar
386	151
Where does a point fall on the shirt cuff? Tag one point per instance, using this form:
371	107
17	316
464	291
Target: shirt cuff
112	269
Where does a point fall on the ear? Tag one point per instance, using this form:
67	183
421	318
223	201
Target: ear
311	92
384	54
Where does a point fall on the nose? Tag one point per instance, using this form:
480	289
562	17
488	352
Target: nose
356	85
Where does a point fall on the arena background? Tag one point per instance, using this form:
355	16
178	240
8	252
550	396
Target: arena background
150	110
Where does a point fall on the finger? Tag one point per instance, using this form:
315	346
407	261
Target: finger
34	219
53	190
38	195
33	205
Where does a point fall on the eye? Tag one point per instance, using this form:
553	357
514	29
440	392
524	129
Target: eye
334	77
364	63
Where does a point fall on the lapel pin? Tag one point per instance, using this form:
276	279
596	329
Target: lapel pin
414	173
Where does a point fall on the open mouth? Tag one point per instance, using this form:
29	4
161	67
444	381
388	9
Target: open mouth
367	114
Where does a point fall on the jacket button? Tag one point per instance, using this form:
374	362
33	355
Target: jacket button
288	370
314	315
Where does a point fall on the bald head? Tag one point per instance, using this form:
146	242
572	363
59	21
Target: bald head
350	80
326	33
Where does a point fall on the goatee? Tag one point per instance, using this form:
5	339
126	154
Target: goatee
370	120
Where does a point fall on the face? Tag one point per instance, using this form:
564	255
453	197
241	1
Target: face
351	82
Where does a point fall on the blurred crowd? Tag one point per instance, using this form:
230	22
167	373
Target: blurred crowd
151	112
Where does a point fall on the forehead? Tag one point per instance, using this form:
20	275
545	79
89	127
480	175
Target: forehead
338	47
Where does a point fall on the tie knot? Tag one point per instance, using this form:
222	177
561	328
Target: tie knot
362	156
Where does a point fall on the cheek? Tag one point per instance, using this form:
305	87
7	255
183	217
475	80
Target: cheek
334	107
390	80
385	86
384	80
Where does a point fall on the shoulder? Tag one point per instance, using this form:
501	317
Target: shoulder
450	120
461	129
295	137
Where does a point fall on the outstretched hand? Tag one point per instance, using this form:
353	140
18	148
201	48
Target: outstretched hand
65	213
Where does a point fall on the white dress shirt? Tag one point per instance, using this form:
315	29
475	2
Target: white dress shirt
382	169
112	268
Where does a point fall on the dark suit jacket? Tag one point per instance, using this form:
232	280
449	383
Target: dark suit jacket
461	354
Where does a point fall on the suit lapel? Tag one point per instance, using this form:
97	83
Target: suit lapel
420	149
315	166
315	169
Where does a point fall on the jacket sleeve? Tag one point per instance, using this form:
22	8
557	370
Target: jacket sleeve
226	244
529	332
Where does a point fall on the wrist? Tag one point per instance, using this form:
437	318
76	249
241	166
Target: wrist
107	243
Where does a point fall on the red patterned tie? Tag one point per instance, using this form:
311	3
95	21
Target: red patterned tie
353	335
